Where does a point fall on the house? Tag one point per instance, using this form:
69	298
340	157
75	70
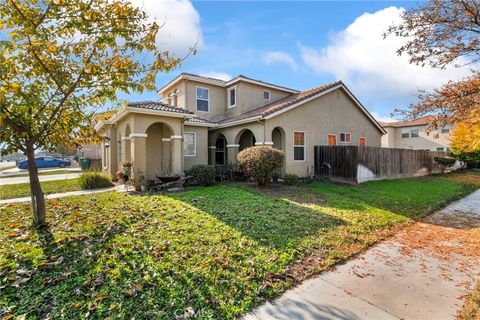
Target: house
202	120
413	134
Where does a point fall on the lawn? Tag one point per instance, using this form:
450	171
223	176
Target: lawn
23	189
212	252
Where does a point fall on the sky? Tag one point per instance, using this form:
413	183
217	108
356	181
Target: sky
296	44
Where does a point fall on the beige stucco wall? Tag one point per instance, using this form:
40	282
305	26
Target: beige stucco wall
201	156
332	113
217	99
250	96
426	141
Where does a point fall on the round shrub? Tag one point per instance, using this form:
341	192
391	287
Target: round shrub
290	179
444	162
94	180
203	175
260	163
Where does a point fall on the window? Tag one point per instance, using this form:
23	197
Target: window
405	135
232	97
220	151
414	133
445	130
266	95
440	149
345	137
189	144
202	99
298	146
332	140
362	142
448	149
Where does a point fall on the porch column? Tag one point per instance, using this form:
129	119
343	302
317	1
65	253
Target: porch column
177	154
211	154
166	155
138	150
127	156
232	151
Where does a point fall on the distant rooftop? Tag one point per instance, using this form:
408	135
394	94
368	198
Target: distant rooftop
408	123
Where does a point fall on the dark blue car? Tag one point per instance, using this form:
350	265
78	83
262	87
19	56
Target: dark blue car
45	162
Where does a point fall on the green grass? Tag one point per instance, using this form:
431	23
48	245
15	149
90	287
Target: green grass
7	167
40	173
19	190
215	251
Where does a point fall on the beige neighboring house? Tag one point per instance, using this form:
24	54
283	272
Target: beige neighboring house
413	135
202	120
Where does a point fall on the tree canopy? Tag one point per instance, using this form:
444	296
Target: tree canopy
61	61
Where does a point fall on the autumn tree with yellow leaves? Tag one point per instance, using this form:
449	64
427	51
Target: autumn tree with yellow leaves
62	60
441	33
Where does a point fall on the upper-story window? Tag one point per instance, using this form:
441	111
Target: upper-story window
202	99
266	95
232	97
445	130
414	133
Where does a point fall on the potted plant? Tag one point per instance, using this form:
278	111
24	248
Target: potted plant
142	180
127	170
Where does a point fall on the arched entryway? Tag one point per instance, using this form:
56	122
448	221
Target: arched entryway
278	139
158	149
245	139
221	154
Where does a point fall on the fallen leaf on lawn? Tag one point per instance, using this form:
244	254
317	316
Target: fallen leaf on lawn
75	306
21	317
102	297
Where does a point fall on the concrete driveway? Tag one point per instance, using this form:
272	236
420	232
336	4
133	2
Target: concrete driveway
15	180
424	272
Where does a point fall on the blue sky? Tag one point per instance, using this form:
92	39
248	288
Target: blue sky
296	44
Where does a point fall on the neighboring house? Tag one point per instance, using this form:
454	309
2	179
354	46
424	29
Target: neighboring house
203	120
413	135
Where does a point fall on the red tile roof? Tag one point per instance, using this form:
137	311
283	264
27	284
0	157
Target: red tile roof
281	104
408	123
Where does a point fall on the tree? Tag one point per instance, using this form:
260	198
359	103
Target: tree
466	136
62	60
440	33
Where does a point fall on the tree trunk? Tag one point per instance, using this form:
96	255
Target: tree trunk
38	200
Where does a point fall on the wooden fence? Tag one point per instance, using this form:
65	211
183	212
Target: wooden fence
361	164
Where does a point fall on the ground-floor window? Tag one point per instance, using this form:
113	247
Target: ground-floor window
189	144
362	142
332	139
298	146
220	151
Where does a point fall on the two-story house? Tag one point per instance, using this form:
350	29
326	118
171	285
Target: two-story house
201	120
413	134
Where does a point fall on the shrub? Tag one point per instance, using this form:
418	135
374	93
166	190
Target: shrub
202	174
260	163
290	179
471	159
94	180
444	162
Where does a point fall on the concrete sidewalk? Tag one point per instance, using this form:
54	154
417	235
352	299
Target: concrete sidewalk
424	272
52	177
66	194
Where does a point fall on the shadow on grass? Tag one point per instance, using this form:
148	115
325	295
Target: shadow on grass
269	220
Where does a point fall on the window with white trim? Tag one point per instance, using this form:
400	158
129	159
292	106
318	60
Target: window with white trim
298	146
266	95
345	137
232	97
445	130
202	99
415	133
189	144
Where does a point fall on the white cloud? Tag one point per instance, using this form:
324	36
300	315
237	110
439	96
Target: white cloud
381	118
279	57
360	56
217	75
181	24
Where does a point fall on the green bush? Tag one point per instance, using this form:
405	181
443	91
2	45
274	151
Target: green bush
203	175
444	162
94	180
290	179
260	163
471	159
